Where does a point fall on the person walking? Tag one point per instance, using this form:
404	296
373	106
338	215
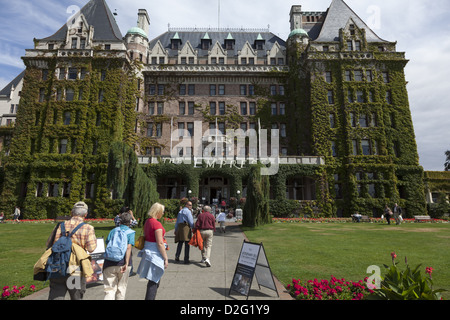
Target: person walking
207	225
154	259
397	214
387	214
183	231
221	219
16	215
86	239
116	273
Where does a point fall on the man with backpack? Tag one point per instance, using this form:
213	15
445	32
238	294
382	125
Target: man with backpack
117	265
84	236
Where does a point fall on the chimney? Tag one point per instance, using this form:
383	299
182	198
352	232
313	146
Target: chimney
296	17
143	20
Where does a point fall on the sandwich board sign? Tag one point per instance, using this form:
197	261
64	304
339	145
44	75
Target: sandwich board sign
252	262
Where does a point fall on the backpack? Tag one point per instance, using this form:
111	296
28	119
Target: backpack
58	262
117	246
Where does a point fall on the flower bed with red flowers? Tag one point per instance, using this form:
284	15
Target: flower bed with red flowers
333	289
15	293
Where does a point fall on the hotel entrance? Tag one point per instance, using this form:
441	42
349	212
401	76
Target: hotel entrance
212	190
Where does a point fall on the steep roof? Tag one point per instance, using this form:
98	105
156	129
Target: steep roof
97	14
338	15
7	90
240	38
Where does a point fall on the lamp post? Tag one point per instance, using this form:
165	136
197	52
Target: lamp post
238	198
189	195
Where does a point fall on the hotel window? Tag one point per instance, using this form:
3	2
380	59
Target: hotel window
243	89
190	108
69	94
221	108
350	96
388	97
161	89
41	95
251	61
357	46
182	91
159	130
244	108
273	90
274	109
152	89
44	74
282	108
373	120
221	89
74	43
333	149
363	121
151	108
182	108
183	60
332	120
371	190
369	76
348	75
157	151
100	96
360	96
365	145
385	77
53	189
103	75
180	129
83	43
281	90
354	147
150	129
62	146
154	60
212	108
243	60
328	77
330	97
160	108
190	128
358	75
62	73
212	89
251	89
283	130
66	189
66	118
252	107
352	119
39	189
107	47
349	45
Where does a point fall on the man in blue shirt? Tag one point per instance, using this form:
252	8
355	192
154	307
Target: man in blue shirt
183	232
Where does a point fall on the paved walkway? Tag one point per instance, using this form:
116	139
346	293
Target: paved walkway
194	281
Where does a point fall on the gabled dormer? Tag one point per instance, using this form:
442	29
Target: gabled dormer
175	42
206	42
158	55
217	54
352	37
247	55
187	55
79	33
229	42
276	55
259	42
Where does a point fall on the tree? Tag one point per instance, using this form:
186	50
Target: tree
256	209
447	161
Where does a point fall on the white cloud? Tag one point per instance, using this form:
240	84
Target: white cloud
420	28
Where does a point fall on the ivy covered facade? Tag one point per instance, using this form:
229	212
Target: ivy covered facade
116	120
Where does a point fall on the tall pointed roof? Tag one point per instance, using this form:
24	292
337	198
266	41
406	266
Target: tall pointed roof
337	17
97	14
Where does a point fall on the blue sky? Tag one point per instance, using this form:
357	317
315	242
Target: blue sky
421	29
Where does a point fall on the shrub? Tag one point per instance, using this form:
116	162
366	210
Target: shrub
409	284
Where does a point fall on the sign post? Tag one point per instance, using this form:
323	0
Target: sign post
252	262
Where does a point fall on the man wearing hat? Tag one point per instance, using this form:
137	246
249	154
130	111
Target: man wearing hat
85	238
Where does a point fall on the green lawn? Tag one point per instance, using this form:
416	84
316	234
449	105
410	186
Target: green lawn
318	250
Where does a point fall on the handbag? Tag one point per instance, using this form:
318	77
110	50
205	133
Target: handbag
140	242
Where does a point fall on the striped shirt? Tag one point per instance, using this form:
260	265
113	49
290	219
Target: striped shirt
84	237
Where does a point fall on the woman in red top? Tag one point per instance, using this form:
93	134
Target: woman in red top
153	257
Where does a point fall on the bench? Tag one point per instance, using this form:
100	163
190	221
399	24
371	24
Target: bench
422	218
362	219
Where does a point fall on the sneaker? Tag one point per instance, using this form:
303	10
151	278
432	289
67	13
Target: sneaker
203	260
208	264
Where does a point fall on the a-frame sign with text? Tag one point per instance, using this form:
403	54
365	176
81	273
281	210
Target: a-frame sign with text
252	262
